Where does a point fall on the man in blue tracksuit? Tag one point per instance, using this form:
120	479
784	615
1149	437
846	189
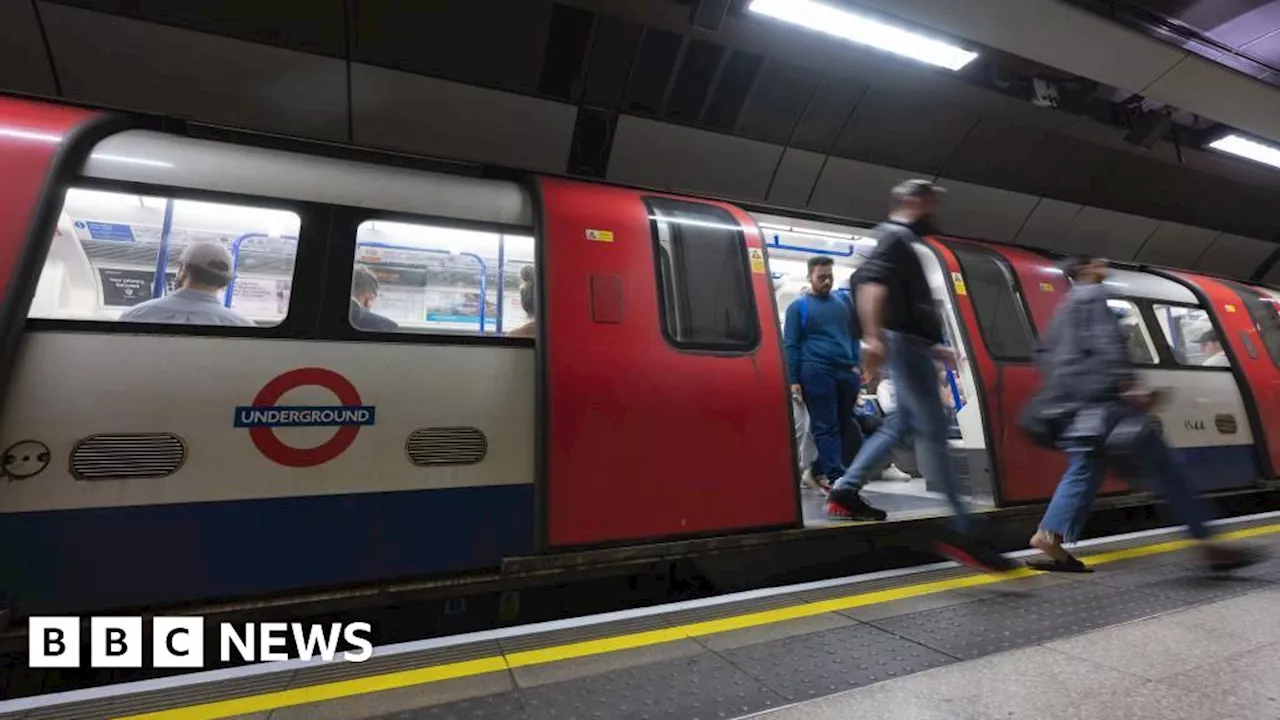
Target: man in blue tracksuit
822	359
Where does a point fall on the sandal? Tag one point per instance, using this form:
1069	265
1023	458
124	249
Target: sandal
1072	565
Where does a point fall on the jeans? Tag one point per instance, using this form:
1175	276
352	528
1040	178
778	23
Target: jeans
919	415
830	395
1073	498
1158	471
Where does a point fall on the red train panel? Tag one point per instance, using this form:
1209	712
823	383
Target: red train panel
645	440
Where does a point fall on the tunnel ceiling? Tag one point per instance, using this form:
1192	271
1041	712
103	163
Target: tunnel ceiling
633	91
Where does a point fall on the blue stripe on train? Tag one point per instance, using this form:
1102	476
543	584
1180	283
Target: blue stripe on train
81	560
1221	467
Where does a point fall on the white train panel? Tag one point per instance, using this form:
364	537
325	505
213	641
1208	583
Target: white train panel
71	386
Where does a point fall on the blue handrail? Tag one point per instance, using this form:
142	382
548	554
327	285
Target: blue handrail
502	266
162	257
783	246
484	295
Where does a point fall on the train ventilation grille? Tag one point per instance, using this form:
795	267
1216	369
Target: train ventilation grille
127	456
447	446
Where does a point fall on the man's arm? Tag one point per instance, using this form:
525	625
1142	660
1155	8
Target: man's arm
791	341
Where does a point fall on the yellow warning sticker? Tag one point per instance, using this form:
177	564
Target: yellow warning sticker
958	281
1047	287
600	235
1229	308
757	260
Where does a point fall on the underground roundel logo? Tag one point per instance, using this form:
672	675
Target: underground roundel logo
264	416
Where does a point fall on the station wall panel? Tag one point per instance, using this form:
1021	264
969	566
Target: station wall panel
171	71
1106	233
984	213
402	111
856	189
1176	245
23	64
1234	255
795	178
674	157
1047	223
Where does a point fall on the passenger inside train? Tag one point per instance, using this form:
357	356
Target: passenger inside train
527	303
204	270
1211	349
364	290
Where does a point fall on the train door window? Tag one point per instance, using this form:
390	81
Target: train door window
109	247
1137	338
1001	317
703	277
440	280
1265	316
1190	335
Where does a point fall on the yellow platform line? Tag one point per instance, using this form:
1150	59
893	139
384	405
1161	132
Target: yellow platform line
629	641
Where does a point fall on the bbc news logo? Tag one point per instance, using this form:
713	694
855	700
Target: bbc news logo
179	642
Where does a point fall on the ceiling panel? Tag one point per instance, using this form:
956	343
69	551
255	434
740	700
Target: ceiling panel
1005	154
24	66
171	71
901	128
1273	276
828	110
1234	255
393	109
794	180
316	26
856	190
1047	31
609	60
984	213
657	154
1047	223
777	102
1204	87
1175	245
1106	234
495	43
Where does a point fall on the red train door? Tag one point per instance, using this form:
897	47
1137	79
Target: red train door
665	408
41	146
1003	284
1246	320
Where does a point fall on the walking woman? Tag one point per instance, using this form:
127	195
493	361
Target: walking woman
1105	421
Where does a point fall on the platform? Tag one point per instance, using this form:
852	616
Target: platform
1145	635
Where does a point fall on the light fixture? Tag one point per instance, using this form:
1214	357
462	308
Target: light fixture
1249	149
771	226
865	31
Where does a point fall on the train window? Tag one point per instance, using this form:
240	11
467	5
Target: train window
703	276
109	248
434	279
1141	350
1190	335
1001	318
1263	311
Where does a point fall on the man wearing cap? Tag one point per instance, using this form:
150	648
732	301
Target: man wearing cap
205	268
1211	348
902	330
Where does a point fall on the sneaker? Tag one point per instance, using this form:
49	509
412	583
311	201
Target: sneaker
847	504
974	553
893	473
1226	559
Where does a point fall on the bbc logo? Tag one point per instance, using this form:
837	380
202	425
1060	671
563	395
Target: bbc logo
179	642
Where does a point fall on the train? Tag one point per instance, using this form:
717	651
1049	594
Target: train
151	464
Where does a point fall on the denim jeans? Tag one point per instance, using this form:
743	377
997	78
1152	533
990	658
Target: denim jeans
919	415
830	395
1158	471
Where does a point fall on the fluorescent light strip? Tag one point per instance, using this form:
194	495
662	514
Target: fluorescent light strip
865	31
771	226
1248	149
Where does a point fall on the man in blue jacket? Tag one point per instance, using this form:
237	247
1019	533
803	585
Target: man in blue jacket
822	359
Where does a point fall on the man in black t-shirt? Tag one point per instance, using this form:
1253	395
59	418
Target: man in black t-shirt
902	330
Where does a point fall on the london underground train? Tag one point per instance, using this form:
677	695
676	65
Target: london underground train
148	464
